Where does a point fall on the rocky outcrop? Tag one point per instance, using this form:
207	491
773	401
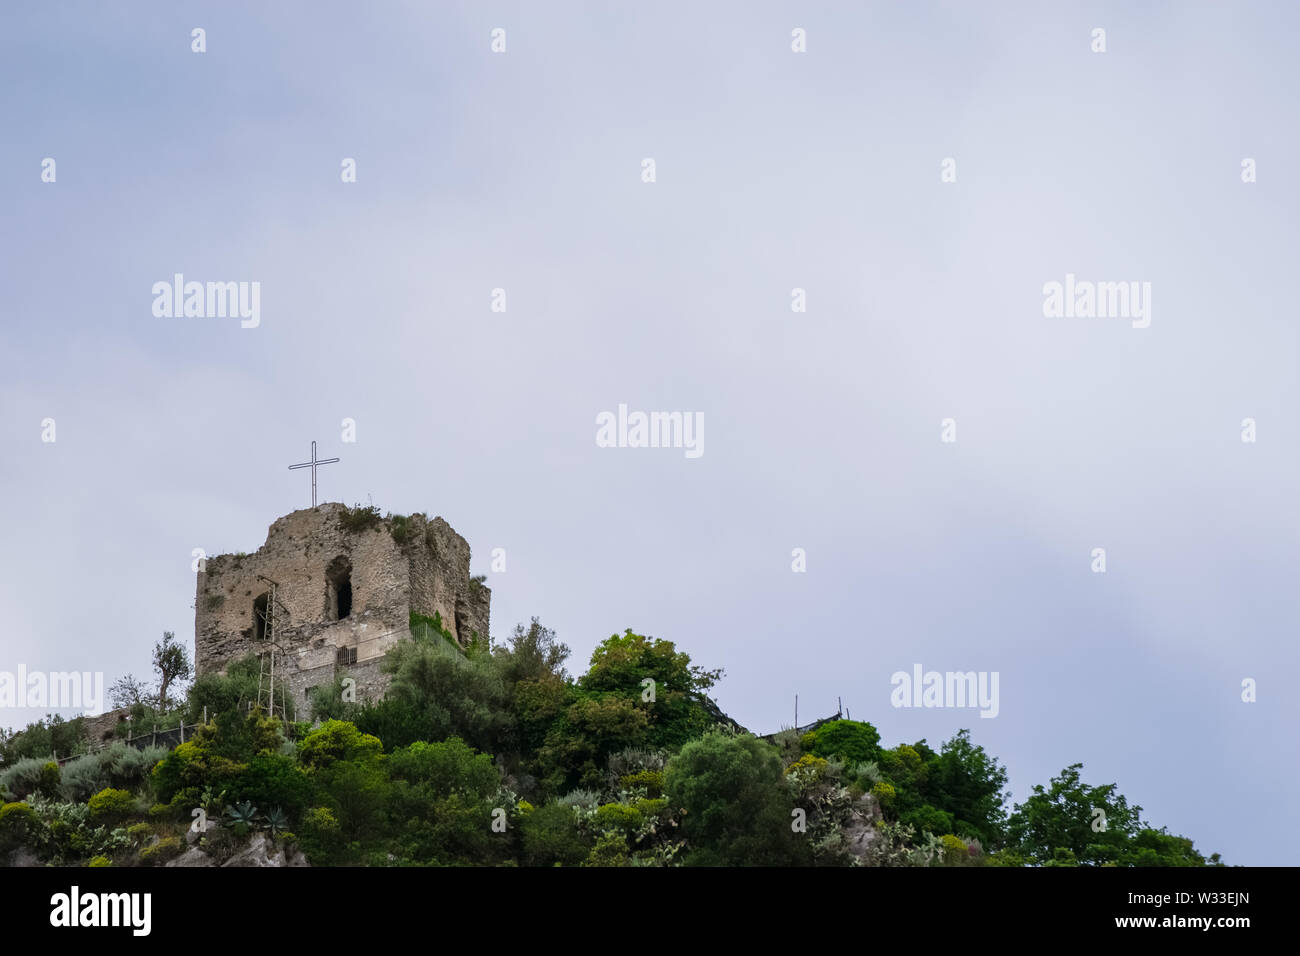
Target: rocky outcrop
259	851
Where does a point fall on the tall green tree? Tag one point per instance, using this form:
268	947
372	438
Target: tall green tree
971	785
1071	822
737	806
171	662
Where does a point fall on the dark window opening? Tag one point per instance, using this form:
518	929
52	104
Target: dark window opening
338	588
346	655
259	618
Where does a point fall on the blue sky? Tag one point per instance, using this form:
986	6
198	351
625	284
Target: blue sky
775	170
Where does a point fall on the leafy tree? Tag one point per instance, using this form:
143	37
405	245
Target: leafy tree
533	654
579	743
128	691
171	661
442	802
44	738
455	693
680	709
1152	847
970	785
927	819
398	723
347	769
221	693
738	812
357	791
1056	824
907	768
638	692
538	704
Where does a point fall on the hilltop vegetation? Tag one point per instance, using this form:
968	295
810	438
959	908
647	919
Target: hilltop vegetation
497	756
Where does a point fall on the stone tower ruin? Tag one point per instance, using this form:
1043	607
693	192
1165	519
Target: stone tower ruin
331	590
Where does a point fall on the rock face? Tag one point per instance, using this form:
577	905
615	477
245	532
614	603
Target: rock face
861	834
259	852
344	588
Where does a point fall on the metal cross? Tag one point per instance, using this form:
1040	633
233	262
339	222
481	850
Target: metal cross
312	465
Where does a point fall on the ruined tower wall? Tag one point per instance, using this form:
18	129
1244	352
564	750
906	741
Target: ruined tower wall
426	571
440	580
298	549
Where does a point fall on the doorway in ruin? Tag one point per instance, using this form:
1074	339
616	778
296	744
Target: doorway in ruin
338	589
259	617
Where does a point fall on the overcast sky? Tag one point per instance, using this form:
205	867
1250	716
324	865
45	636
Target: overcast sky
774	170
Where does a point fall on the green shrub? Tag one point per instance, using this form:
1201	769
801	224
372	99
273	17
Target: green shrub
126	767
109	805
807	769
885	794
928	819
273	780
31	776
651	807
165	849
587	799
610	850
955	851
118	765
83	777
652	781
852	740
617	817
399	526
422	623
67	835
337	740
320	835
17	822
99	861
551	837
354	520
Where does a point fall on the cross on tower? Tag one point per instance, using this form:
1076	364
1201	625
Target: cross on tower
312	465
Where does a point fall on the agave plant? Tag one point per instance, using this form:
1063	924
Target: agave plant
276	820
244	813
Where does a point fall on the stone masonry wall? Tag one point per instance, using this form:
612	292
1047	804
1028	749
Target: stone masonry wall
426	571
